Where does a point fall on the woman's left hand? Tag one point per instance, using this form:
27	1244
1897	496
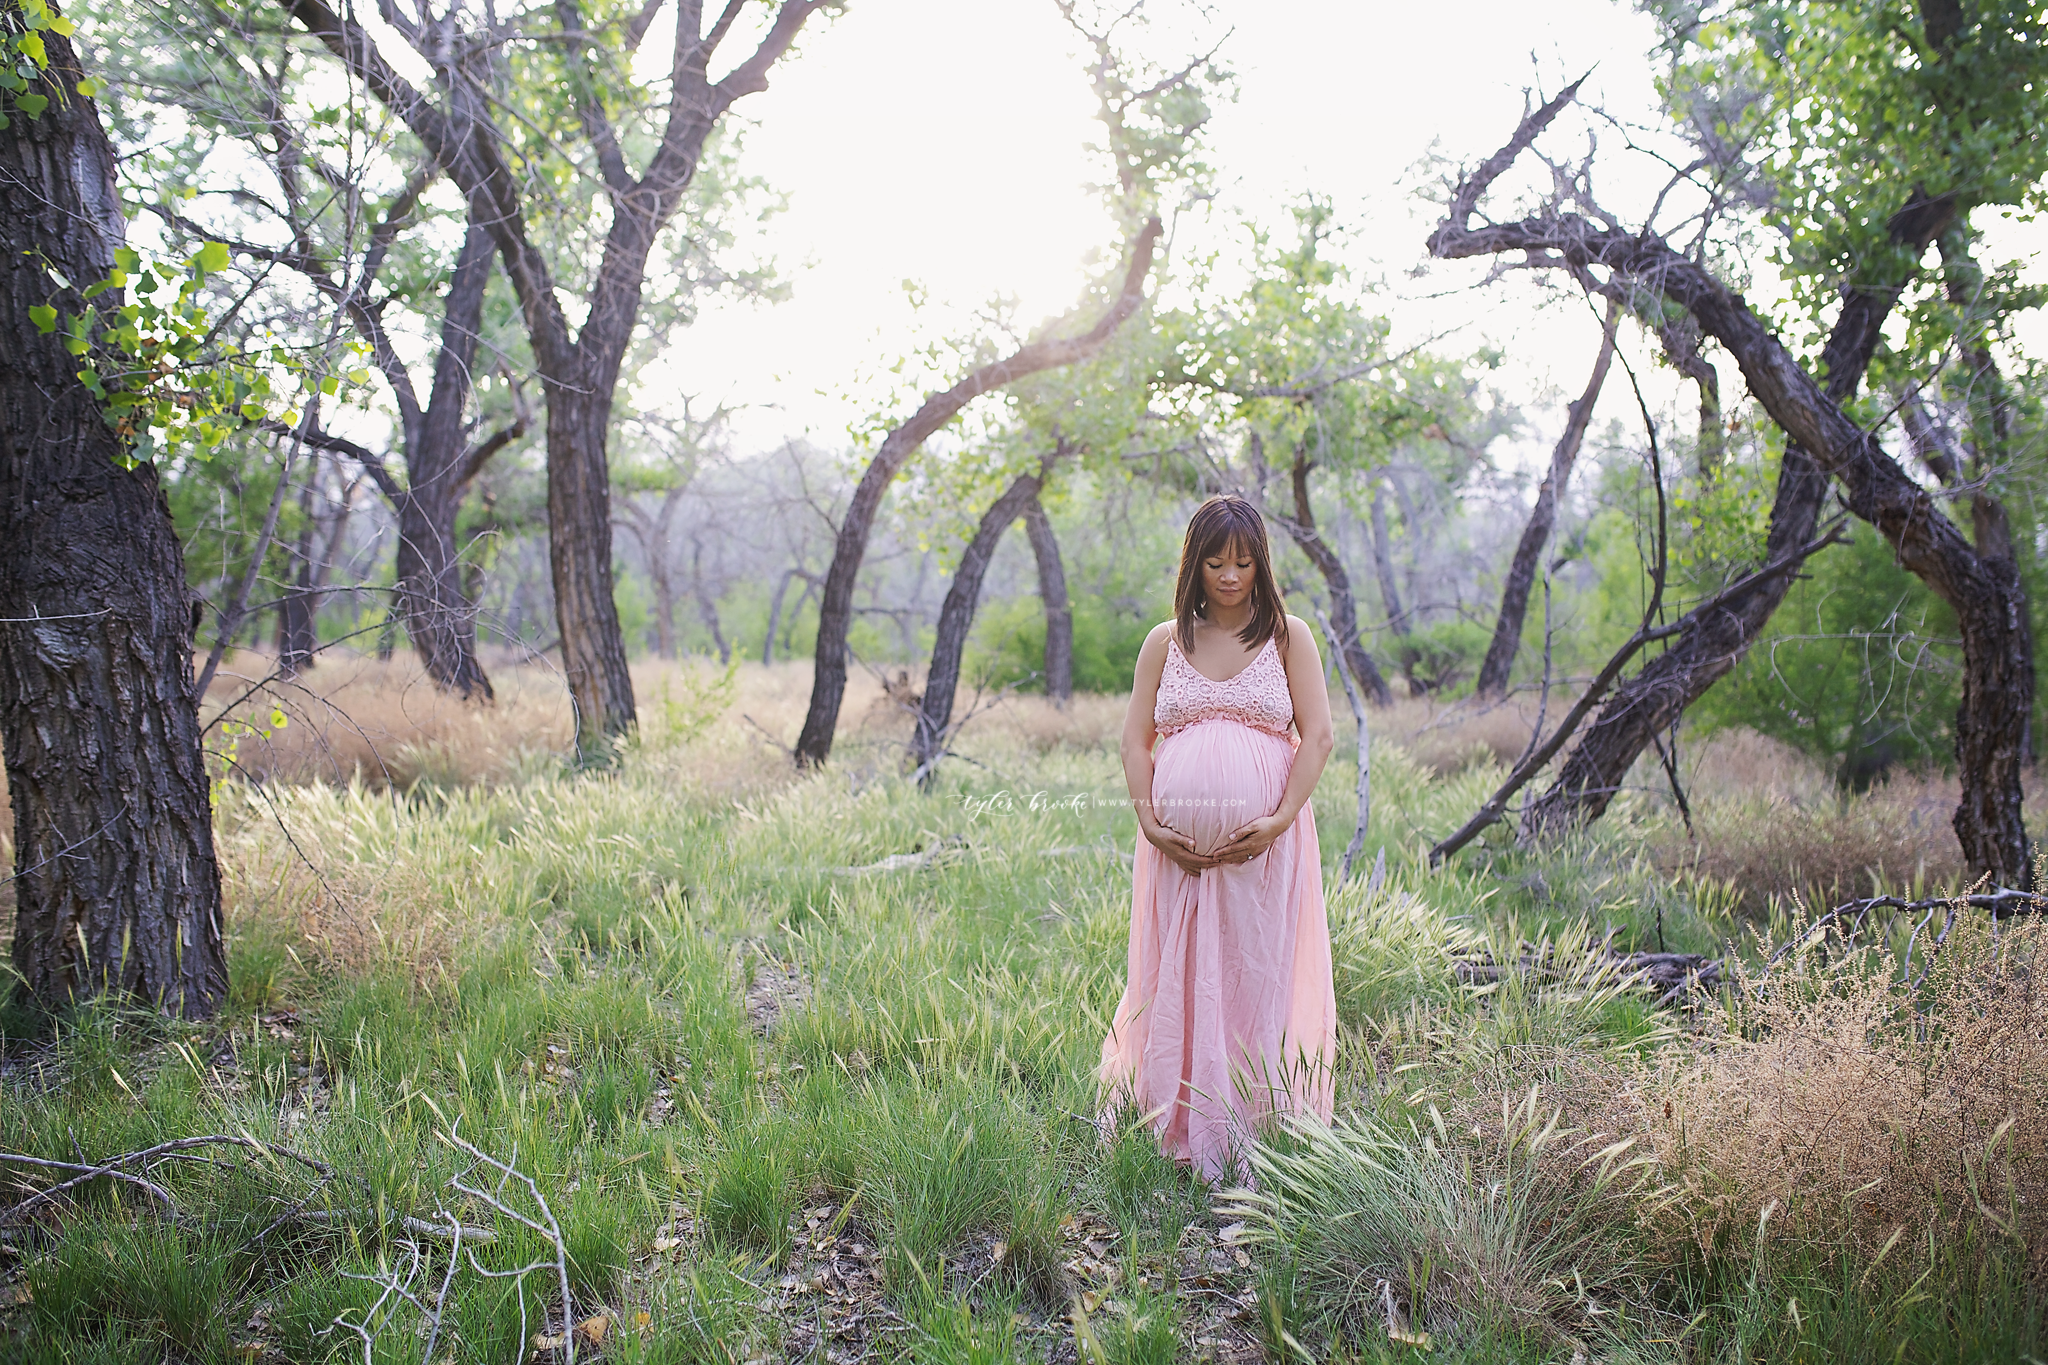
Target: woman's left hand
1252	839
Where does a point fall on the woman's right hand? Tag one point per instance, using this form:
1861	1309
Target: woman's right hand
1178	847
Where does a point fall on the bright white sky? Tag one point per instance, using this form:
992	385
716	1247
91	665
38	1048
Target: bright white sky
943	141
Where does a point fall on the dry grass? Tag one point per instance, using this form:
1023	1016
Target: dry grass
382	723
1836	1103
1448	739
1772	823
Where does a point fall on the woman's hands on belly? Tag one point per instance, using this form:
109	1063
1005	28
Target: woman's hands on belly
1178	848
1251	839
1215	787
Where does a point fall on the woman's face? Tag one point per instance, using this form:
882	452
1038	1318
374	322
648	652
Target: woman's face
1227	576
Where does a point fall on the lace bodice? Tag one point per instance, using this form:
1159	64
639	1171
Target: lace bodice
1256	696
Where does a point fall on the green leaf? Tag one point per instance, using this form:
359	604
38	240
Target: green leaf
59	24
212	257
329	384
44	317
31	47
33	105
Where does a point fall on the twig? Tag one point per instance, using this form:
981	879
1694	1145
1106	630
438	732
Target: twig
1357	844
117	1167
550	1228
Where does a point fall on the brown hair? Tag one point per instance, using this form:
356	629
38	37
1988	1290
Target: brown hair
1222	521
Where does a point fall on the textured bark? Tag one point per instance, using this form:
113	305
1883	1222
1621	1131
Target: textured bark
835	606
1998	675
116	887
1343	604
956	616
1514	596
1052	594
440	463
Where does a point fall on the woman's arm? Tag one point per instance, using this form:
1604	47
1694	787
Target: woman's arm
1312	722
1137	754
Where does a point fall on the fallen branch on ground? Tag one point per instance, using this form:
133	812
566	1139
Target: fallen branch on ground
1670	976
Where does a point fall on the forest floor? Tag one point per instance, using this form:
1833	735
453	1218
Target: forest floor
738	1065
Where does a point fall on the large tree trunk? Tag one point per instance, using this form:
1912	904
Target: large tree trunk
1514	596
439	617
1343	605
835	607
580	559
935	709
116	887
1993	723
440	463
1052	595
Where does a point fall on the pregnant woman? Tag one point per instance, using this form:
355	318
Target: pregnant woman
1228	1015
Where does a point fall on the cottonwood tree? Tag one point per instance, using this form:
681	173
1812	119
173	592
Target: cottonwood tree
1296	368
1151	117
116	885
328	204
512	90
1872	161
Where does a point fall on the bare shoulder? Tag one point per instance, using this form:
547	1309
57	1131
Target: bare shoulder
1301	641
1152	655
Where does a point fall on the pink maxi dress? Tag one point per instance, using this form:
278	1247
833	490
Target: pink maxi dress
1229	1013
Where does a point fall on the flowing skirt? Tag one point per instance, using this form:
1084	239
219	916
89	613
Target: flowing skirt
1228	1014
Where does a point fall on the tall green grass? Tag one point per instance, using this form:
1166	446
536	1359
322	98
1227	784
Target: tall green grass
556	968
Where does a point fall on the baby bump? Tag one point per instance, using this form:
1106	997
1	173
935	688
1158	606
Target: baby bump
1211	778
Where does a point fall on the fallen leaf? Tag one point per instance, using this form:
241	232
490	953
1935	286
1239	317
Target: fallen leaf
1231	1234
1420	1340
545	1341
641	1319
14	1295
998	1251
1090	1301
1243	1261
667	1243
593	1328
